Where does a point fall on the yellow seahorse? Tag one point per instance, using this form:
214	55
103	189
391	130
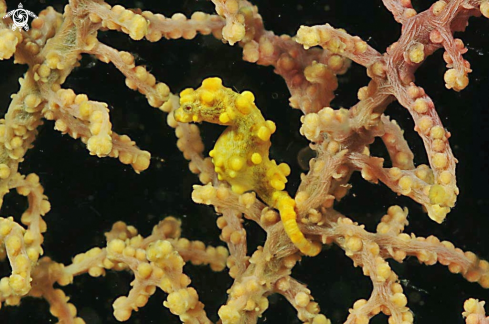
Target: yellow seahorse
240	155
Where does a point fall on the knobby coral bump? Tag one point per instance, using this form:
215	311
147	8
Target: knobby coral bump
241	178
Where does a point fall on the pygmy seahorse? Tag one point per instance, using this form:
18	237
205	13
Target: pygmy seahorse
240	155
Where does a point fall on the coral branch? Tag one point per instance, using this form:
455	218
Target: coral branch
239	180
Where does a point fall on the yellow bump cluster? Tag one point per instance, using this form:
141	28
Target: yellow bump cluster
308	310
425	256
96	270
215	256
129	153
478	271
416	53
474	312
181	301
241	154
4	171
336	41
21	126
229	234
157	93
32	103
121	254
334	123
394	221
234	31
269	216
95	113
440	187
455	80
18	283
124	20
54	61
8	42
246	295
438	7
181	27
229	315
310	127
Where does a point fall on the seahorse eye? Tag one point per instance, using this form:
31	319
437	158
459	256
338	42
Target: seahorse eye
188	108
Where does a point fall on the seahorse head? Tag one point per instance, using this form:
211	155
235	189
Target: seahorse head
208	103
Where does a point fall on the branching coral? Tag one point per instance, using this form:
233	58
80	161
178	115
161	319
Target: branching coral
314	65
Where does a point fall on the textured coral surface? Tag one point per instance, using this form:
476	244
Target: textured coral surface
89	194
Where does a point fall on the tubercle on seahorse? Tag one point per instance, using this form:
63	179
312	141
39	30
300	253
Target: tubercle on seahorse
240	155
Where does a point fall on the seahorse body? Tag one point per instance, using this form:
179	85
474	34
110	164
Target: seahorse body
240	155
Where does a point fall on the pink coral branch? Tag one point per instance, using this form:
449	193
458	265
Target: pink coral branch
402	10
401	155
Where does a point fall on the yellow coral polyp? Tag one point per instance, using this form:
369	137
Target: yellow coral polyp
437	194
241	154
438	213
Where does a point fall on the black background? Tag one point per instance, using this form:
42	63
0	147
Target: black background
89	194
